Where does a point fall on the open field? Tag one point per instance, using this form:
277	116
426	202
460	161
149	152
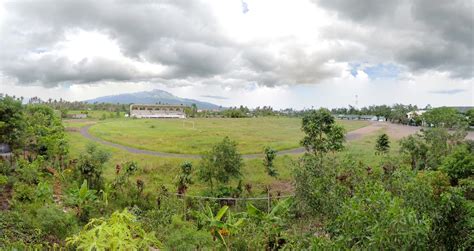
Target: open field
157	171
179	136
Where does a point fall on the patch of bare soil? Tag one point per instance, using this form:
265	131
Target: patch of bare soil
282	187
5	197
400	131
364	131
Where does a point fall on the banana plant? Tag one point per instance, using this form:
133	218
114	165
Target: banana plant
82	199
273	222
220	226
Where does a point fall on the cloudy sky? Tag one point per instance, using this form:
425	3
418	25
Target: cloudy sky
298	53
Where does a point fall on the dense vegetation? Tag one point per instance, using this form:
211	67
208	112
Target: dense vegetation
418	198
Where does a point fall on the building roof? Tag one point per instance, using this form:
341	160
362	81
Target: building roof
157	105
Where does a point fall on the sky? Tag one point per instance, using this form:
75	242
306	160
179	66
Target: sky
298	54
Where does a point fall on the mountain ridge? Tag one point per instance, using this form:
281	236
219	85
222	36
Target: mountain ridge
152	97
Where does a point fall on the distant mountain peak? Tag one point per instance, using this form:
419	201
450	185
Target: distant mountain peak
152	97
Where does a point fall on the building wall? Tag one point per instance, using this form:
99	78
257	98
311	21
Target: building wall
157	111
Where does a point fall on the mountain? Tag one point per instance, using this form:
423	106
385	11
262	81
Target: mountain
152	97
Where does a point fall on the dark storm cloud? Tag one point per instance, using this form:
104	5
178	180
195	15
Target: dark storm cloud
186	40
49	71
214	97
427	34
179	34
360	9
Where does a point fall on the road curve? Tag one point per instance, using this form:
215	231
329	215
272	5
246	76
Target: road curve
350	136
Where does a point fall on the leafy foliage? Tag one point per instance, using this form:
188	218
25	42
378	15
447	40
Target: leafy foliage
444	117
322	135
374	219
459	164
270	155
90	166
221	164
119	232
383	144
184	179
221	225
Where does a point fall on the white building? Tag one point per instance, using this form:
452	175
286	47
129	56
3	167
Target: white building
414	114
157	111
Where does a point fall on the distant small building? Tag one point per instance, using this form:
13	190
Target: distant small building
5	151
414	114
77	116
358	117
157	111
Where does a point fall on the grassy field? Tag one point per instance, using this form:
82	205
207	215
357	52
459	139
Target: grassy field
158	171
179	136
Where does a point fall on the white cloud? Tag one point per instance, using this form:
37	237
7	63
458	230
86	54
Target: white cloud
280	53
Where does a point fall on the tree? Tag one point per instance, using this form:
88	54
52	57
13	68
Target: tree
194	110
45	133
383	144
221	164
470	117
90	166
184	178
417	149
322	133
270	155
12	122
444	117
459	164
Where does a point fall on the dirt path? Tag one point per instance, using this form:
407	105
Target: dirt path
5	197
393	130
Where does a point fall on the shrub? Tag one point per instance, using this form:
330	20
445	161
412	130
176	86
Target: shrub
374	219
23	192
221	164
453	224
90	166
185	236
120	231
54	221
459	164
383	144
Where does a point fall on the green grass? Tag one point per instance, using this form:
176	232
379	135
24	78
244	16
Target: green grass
177	136
158	171
364	148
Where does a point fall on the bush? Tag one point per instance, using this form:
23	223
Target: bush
321	187
374	219
453	224
90	166
23	192
53	221
459	164
120	231
185	236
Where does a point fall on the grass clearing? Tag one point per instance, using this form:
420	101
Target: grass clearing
157	171
179	136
